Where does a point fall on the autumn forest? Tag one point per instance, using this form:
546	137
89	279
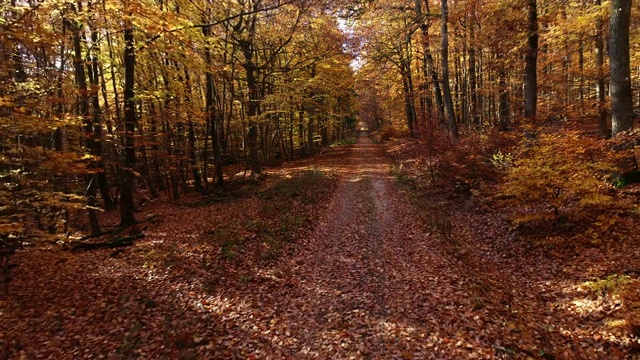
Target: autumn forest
326	179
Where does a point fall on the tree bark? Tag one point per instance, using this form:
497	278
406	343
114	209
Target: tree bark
430	63
620	88
531	59
473	83
83	111
407	83
128	175
504	100
599	54
94	78
252	112
446	89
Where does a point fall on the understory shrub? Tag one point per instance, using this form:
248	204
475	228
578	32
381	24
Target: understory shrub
388	132
465	167
560	176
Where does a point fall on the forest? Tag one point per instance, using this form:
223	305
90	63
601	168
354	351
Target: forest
375	179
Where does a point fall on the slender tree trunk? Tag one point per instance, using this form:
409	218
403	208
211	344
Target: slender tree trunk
504	100
153	133
446	89
83	111
311	113
410	100
291	126
128	174
409	110
473	85
57	136
311	131
195	172
620	88
145	167
112	60
93	70
531	59
473	81
426	105
581	79
252	112
301	140
430	63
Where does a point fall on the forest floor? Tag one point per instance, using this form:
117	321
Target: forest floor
327	258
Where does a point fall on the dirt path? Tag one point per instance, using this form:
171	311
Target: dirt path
366	283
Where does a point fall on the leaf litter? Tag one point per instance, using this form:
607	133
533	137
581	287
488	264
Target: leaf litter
341	265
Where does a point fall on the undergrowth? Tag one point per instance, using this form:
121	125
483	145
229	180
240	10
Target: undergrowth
551	181
285	208
285	205
556	188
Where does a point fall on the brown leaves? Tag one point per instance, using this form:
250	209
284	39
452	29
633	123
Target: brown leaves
522	285
371	279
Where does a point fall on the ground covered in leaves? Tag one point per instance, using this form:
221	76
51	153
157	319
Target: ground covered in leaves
324	258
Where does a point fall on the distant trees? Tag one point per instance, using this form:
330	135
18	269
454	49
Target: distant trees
507	61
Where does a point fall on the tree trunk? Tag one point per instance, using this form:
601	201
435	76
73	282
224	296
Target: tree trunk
504	99
60	108
531	59
252	112
83	111
128	175
407	80
446	89
94	77
620	88
473	82
409	106
311	131
430	63
599	54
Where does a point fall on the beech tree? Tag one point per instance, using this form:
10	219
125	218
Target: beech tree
599	63
531	62
620	87
446	90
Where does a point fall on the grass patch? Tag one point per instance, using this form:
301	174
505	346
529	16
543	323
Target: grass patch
403	177
294	186
345	141
611	285
288	208
229	239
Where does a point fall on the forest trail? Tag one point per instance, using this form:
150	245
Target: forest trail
368	282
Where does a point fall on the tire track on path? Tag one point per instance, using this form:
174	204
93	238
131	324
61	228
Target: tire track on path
367	282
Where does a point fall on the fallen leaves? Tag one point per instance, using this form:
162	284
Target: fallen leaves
346	268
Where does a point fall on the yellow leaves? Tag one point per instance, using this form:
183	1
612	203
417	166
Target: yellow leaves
596	199
565	172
